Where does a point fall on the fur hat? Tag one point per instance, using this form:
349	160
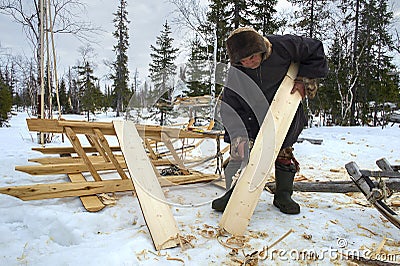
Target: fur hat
244	42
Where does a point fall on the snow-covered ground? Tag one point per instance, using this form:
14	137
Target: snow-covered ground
330	226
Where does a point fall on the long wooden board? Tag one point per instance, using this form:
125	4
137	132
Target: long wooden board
83	188
82	127
157	213
54	169
247	191
70	189
67	150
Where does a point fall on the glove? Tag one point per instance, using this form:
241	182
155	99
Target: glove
310	85
238	146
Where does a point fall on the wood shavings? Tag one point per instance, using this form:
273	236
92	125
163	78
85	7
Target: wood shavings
364	204
109	200
395	203
300	178
233	241
234	252
142	255
306	236
251	259
281	238
176	259
362	227
208	233
380	247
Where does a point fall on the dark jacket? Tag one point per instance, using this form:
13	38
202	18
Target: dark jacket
248	92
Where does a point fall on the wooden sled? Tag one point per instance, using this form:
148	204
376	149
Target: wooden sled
375	194
77	161
130	158
250	184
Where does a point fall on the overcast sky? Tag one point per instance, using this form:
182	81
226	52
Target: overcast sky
147	18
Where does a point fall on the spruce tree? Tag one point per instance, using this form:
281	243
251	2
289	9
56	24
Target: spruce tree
264	20
91	96
376	84
121	72
312	18
62	91
197	79
5	99
162	71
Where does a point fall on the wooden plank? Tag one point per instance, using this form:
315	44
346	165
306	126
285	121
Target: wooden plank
99	159
55	169
93	140
68	150
75	189
70	189
78	148
157	213
82	127
70	159
384	164
109	154
170	147
150	149
247	191
57	126
91	202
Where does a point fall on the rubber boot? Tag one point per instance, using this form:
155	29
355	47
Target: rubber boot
284	177
230	170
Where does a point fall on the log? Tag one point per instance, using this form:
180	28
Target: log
312	141
333	186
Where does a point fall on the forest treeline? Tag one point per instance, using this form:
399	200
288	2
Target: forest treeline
360	38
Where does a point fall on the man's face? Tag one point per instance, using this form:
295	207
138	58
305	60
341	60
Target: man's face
252	61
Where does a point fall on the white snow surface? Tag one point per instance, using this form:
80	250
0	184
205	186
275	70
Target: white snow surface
330	225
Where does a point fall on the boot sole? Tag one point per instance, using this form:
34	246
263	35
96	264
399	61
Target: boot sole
286	211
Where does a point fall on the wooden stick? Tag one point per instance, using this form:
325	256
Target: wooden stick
281	238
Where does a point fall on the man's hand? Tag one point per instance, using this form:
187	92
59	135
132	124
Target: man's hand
299	86
305	86
239	146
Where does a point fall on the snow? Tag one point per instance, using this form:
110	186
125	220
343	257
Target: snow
62	232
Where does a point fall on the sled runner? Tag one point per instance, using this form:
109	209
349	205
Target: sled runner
251	182
157	213
373	193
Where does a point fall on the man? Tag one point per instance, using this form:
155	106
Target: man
258	66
